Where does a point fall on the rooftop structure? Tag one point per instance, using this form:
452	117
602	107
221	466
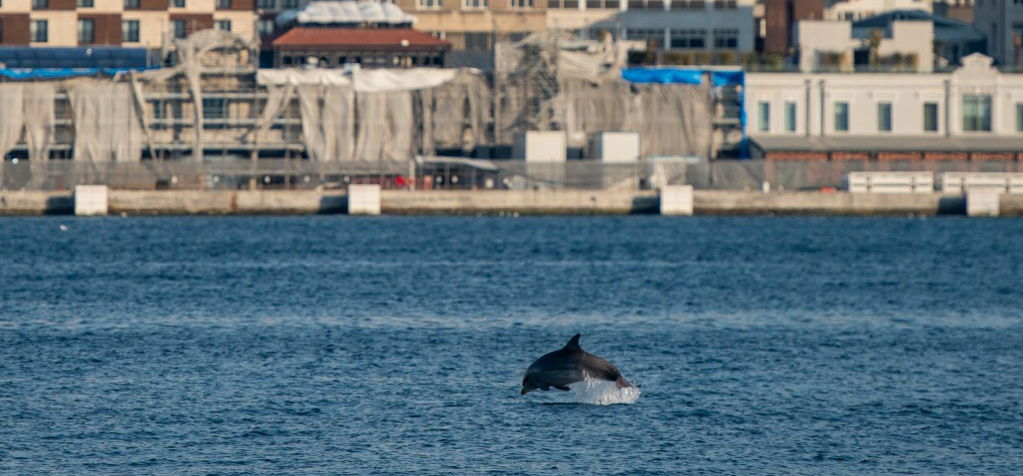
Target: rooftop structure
368	47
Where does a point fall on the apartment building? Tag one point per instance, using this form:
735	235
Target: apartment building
129	23
663	24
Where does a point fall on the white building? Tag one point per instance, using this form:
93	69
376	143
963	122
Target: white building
833	46
1001	21
973	109
852	10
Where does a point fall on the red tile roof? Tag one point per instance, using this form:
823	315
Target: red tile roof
358	39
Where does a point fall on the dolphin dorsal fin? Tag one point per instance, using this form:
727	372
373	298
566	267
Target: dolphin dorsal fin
573	343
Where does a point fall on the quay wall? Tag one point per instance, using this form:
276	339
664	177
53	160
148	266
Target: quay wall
425	202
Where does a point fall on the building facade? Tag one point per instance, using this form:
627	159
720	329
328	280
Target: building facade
1002	23
695	25
975	102
130	23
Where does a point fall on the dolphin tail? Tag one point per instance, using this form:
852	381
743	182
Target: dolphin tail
622	383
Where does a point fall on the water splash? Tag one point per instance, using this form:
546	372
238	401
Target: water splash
603	392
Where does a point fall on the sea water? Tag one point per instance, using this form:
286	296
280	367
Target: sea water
334	345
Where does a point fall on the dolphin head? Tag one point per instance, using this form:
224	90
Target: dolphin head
527	385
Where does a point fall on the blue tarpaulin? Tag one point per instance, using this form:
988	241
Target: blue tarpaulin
695	76
663	75
58	73
19	57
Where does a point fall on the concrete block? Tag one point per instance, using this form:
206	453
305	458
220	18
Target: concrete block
363	199
91	200
677	200
540	146
964	182
982	202
890	182
615	147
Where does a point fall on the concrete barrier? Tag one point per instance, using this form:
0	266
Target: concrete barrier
890	182
549	202
91	200
363	199
36	202
677	200
964	182
982	203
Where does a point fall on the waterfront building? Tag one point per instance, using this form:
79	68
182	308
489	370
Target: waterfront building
780	20
129	23
973	112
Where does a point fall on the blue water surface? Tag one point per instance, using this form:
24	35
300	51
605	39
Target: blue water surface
331	345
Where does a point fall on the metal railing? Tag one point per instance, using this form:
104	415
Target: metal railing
465	173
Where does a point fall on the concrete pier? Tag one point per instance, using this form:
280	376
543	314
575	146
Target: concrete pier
363	199
426	202
677	200
91	200
983	202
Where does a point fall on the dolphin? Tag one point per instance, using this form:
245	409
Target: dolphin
569	365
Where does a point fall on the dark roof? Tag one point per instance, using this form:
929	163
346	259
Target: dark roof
945	29
82	57
889	143
359	39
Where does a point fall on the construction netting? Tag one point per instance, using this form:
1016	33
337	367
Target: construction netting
549	81
382	114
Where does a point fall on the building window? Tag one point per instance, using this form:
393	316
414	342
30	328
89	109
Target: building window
222	25
265	4
977	112
1019	117
178	3
475	4
601	4
84	3
265	26
289	4
566	4
646	4
180	28
842	116
214	108
884	116
688	5
725	4
790	116
688	39
930	117
130	31
86	31
764	116
477	41
430	4
223	4
40	4
654	37
38	31
131	4
726	38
